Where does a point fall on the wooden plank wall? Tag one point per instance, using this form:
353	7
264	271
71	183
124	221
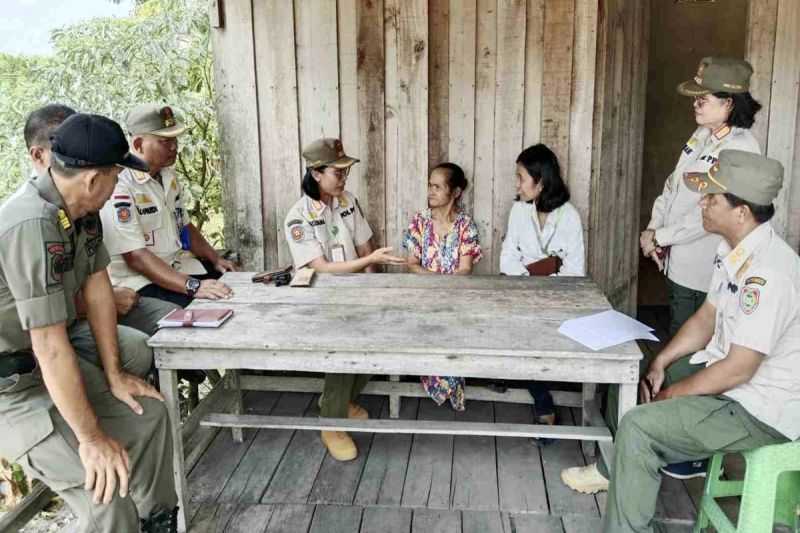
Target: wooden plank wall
620	83
772	45
406	84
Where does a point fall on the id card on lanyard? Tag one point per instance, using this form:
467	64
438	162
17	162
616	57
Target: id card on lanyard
337	253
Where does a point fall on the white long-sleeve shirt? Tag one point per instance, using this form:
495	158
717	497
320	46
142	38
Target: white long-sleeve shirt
526	242
676	214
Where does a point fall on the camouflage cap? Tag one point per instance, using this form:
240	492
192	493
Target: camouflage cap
718	74
752	177
327	152
155	119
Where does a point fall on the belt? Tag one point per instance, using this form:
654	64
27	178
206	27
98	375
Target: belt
16	363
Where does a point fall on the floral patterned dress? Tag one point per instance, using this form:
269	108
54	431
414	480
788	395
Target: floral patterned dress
442	254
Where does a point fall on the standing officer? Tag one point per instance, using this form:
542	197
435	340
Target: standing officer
74	411
147	235
132	310
748	393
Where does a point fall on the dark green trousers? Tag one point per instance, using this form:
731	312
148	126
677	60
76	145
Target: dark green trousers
340	389
673	431
683	303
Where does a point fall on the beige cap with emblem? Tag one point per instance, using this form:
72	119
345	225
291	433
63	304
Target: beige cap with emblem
752	177
718	75
327	152
153	119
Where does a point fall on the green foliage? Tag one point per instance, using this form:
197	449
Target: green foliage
161	53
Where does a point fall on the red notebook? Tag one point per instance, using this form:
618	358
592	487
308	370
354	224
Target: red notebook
195	318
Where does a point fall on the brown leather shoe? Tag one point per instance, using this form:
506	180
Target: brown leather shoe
340	445
356	411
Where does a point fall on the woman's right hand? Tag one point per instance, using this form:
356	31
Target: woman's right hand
381	256
647	242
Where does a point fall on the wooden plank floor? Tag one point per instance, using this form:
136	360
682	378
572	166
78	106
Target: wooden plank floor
284	481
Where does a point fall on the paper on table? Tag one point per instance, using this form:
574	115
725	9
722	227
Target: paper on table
605	329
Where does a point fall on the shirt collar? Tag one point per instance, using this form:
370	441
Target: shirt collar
733	260
317	207
47	189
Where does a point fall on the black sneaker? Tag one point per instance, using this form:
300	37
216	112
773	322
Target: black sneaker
686	470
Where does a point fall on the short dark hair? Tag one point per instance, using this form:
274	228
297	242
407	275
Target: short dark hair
542	164
42	122
762	213
744	109
455	175
310	185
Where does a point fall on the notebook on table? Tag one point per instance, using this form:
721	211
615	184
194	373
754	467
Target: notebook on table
196	318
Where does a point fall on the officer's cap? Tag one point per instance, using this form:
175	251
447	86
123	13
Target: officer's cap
89	141
752	177
153	119
718	74
327	153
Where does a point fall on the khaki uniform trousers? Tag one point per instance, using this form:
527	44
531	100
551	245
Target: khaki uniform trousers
672	431
340	389
55	460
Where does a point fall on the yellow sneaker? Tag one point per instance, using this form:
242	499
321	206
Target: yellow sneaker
356	411
584	479
340	445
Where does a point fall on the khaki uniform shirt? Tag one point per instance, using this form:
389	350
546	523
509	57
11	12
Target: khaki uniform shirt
755	289
143	213
676	214
45	259
313	229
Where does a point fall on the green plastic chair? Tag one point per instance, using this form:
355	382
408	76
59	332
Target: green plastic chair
770	491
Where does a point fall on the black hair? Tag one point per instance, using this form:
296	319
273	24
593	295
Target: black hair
42	122
762	213
455	175
310	186
743	110
542	165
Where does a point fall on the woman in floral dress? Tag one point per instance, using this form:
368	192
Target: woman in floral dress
443	240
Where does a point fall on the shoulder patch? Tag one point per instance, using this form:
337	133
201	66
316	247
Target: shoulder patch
293	222
756	281
58	262
298	233
749	299
123	213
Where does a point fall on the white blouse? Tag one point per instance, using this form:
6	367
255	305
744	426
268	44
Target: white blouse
526	242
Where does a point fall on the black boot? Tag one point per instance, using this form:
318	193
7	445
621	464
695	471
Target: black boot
161	521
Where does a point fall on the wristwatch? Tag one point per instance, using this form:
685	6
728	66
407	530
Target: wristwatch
192	286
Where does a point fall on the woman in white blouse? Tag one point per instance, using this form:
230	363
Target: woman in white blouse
545	235
544	238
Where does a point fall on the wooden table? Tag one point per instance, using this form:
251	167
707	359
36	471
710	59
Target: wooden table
403	324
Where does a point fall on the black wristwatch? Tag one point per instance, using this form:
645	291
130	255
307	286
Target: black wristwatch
192	286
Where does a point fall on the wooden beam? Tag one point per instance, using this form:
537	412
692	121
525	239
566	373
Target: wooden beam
349	113
783	126
417	427
483	175
461	98
439	80
278	116
237	113
762	23
24	511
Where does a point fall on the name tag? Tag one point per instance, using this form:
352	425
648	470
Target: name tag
337	253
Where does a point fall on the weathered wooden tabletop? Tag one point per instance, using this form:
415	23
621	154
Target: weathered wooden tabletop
478	326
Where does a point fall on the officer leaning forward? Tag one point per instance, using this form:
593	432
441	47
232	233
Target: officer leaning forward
74	411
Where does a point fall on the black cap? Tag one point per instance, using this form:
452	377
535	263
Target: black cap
86	141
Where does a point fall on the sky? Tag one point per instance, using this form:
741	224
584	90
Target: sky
25	25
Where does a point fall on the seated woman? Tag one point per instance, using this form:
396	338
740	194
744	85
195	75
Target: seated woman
544	238
443	240
326	231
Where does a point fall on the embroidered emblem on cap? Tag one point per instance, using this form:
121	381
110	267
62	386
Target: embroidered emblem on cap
167	117
699	78
749	299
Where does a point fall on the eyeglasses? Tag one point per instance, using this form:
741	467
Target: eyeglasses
340	172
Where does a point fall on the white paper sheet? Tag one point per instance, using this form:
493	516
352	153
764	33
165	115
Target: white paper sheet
605	329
